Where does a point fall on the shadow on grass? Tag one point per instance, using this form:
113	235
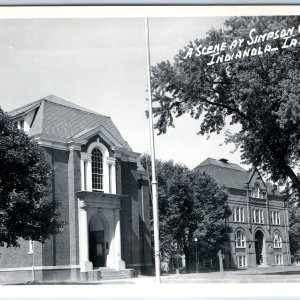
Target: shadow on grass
283	273
73	283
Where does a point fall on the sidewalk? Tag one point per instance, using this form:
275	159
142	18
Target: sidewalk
284	274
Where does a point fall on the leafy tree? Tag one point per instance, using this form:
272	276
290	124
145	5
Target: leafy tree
292	200
24	176
259	92
294	232
190	205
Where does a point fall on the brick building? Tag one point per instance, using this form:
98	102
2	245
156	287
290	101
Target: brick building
259	219
103	191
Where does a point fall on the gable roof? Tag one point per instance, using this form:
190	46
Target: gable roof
231	175
65	120
221	163
228	174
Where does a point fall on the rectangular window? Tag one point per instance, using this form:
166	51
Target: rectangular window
241	261
278	259
278	218
262	216
258	216
275	217
22	124
19	124
238	214
272	217
30	248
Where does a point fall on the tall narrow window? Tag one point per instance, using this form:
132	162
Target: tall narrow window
240	240
97	169
258	216
22	124
278	259
241	260
30	248
275	217
238	214
277	240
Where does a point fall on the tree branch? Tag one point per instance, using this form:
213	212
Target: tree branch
242	115
290	173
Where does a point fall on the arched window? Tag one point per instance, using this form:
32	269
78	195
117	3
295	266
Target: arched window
277	240
97	169
240	240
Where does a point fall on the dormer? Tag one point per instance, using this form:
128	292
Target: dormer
256	185
24	122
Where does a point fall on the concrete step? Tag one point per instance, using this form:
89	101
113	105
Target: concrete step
109	274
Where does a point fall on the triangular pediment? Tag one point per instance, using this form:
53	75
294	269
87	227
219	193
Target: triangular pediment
86	134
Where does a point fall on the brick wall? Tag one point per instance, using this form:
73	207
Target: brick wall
268	231
16	257
123	187
74	185
145	230
56	250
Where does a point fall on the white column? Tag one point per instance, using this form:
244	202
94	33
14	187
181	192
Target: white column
82	174
89	185
119	263
113	178
86	171
85	264
111	164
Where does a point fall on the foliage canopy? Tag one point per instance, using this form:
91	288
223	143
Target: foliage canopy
25	180
191	205
260	93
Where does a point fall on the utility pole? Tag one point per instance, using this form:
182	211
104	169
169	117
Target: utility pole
220	255
196	242
154	182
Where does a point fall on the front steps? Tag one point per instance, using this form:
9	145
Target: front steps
105	273
108	273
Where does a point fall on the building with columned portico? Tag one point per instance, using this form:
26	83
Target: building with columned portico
104	196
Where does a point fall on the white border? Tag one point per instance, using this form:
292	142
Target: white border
142	11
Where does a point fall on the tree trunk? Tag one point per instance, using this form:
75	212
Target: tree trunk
295	180
187	259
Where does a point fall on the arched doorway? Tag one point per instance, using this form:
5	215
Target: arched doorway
97	253
259	247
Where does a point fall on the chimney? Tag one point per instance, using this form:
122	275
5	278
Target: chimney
224	160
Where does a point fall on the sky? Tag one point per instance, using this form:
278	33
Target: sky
100	64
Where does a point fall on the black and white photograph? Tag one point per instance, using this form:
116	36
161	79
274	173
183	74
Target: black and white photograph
150	148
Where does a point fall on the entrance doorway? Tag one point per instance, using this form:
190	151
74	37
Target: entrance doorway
259	247
97	250
97	253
